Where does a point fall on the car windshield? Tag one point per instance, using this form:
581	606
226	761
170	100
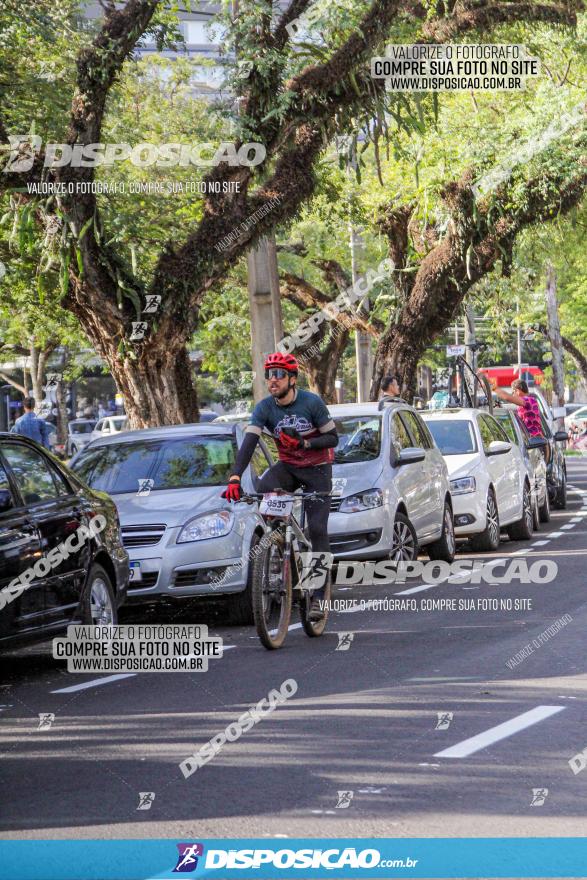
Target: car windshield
359	439
81	427
453	436
185	463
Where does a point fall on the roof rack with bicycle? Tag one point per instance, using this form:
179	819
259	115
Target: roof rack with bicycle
467	387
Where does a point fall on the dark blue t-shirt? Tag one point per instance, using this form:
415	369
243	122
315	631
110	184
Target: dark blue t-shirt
307	413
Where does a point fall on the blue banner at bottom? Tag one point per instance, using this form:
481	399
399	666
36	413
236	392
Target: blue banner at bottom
227	858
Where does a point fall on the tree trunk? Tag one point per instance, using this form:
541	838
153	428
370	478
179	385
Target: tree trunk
157	387
34	371
399	350
62	419
321	369
554	335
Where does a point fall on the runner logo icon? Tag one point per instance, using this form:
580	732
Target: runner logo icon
187	860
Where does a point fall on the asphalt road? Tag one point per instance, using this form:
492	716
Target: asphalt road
364	720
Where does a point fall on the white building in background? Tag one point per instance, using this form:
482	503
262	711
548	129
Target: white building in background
201	40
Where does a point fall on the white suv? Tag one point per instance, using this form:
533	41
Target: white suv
391	485
488	481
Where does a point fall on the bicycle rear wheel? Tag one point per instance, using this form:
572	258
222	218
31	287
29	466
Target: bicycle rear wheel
315	628
272	592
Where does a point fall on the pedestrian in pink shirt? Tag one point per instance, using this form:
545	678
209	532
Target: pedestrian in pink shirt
528	409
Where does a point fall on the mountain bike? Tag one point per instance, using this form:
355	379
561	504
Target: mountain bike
285	570
467	387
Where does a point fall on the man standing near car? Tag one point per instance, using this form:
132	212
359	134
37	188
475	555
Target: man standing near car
30	425
305	436
390	389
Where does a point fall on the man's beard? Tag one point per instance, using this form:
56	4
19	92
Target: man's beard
283	394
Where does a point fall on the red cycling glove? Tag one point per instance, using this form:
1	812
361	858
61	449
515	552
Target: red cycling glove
233	491
290	438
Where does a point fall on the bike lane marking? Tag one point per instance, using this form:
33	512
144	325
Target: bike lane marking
501	731
95	682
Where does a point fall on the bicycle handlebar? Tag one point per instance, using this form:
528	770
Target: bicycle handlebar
250	497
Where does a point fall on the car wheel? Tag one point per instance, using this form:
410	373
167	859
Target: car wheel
535	515
444	549
240	606
522	529
544	509
488	539
560	499
404	540
98	603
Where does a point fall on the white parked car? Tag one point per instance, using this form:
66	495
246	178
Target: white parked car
108	426
578	417
391	485
531	452
489	484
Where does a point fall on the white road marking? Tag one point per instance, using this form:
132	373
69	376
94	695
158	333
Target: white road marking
576	519
555	535
418	589
539	543
567	527
501	731
273	631
451	579
95	682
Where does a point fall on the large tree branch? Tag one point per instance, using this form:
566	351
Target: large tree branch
577	355
305	296
10	381
478	237
295	9
481	15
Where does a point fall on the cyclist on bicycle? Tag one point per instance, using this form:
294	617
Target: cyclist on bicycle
305	436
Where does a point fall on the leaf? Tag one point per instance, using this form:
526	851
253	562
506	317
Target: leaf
85	227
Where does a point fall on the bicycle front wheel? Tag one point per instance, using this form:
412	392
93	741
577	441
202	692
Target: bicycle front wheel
314	628
272	592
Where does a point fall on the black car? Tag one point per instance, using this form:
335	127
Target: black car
61	554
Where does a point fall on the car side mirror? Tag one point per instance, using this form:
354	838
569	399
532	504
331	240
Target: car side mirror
498	447
537	442
561	437
5	500
410	455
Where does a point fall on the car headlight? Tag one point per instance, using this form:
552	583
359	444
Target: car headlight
211	525
362	501
463	485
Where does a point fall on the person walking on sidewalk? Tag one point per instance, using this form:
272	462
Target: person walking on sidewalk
30	425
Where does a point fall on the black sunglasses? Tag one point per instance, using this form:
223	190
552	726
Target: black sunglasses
275	373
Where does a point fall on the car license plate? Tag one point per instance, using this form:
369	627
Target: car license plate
135	572
276	505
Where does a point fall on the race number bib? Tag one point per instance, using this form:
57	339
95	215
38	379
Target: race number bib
276	505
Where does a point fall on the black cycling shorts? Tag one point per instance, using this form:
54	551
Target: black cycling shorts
314	479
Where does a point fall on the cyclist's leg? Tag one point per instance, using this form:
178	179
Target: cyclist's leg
277	477
317	479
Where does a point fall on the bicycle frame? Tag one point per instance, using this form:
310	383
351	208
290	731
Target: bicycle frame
294	534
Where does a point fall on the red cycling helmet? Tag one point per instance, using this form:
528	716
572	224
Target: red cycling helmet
285	361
